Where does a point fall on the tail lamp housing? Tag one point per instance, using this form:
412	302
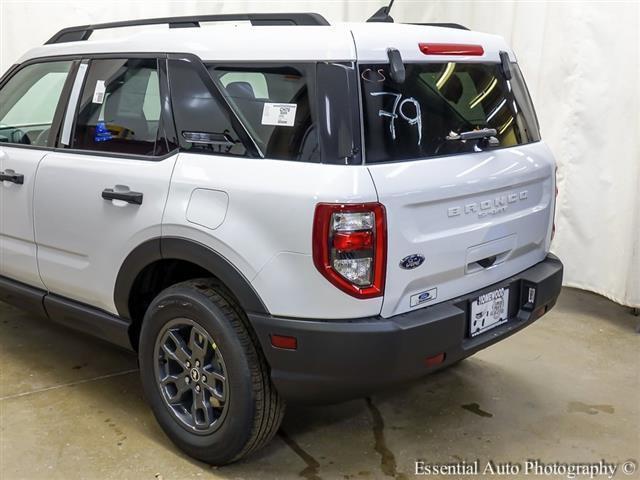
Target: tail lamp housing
350	246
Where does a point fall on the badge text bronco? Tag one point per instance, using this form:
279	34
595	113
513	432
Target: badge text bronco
488	207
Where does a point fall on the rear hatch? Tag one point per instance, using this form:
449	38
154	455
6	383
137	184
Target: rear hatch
462	214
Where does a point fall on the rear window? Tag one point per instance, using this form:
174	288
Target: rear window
438	100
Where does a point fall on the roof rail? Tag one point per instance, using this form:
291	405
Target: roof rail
83	32
443	25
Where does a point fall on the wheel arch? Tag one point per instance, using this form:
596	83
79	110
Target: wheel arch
166	249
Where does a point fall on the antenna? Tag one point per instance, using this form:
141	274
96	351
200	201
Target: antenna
382	15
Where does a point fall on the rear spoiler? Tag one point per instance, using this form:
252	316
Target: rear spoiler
443	25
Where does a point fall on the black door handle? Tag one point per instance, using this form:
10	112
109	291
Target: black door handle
16	178
129	197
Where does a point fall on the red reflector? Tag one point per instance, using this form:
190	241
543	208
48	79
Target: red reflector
347	242
538	312
450	49
435	360
283	341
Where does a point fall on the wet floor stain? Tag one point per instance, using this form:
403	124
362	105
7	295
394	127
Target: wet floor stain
313	466
475	408
388	463
579	407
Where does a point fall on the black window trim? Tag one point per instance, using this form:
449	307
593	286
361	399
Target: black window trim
166	114
58	116
65	97
253	151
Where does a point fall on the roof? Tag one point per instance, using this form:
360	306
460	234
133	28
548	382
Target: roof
240	42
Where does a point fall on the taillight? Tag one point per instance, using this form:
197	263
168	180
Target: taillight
350	246
450	49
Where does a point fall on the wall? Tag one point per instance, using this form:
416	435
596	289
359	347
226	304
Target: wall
582	64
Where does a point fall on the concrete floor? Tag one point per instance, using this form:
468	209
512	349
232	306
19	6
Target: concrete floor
567	389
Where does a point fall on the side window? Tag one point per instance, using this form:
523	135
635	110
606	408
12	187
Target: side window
273	102
203	123
28	103
120	108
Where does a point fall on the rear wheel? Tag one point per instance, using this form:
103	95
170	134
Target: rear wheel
204	375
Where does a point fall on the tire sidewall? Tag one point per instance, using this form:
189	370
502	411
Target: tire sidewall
232	435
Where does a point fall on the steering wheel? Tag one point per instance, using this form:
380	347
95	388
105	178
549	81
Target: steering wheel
18	136
41	139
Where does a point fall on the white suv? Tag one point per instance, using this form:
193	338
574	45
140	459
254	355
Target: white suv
280	211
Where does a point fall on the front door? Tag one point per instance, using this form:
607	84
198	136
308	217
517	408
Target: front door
28	103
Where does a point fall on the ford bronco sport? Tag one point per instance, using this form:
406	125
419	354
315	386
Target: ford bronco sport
274	208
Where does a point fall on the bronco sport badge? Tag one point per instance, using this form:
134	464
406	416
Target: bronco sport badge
489	207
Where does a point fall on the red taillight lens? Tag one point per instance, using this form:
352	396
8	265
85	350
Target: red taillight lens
347	242
450	49
350	246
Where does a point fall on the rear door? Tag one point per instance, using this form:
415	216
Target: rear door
477	210
29	100
104	192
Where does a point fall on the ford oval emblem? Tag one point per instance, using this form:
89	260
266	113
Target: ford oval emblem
412	261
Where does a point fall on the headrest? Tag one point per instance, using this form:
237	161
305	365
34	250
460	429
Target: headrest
241	90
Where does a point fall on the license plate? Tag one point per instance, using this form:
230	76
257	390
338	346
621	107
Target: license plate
488	311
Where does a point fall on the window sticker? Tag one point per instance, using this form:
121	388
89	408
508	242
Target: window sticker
98	93
279	114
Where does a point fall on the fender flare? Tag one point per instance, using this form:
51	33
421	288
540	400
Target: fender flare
176	248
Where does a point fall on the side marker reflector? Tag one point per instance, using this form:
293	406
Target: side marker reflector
435	360
285	342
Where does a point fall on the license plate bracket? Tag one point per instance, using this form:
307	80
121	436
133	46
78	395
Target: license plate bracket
488	311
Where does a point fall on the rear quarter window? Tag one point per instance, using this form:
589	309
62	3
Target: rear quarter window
274	102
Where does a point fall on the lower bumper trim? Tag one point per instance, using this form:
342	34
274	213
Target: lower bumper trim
344	359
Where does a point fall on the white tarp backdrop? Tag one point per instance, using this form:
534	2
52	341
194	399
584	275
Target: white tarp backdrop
582	64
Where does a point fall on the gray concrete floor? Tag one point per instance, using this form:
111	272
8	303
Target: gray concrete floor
567	389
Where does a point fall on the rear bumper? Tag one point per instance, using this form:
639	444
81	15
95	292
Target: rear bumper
337	360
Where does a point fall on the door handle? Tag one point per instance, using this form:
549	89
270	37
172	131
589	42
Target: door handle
125	196
16	178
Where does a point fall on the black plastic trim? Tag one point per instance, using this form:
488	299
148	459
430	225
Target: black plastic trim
70	313
22	296
9	73
83	32
143	255
457	26
188	250
195	252
61	108
337	360
200	69
89	320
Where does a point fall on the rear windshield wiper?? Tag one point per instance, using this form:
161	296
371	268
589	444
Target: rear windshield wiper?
485	133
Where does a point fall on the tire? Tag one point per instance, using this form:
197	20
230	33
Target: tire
236	409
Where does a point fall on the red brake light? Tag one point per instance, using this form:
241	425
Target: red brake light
450	49
350	247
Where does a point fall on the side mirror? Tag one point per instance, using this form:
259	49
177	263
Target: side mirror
396	66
